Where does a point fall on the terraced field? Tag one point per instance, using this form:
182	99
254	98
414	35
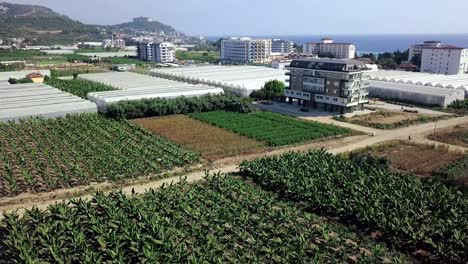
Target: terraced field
40	155
274	129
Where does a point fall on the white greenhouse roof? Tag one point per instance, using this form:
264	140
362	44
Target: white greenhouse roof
29	100
427	90
459	81
4	76
109	54
241	80
134	86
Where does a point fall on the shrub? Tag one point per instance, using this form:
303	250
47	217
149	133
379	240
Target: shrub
180	105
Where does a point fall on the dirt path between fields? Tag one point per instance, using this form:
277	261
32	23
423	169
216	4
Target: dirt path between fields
342	145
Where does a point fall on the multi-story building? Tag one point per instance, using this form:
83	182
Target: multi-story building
331	84
246	50
119	43
282	46
448	60
328	48
158	52
416	50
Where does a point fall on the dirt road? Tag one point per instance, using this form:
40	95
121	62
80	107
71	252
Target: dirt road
228	165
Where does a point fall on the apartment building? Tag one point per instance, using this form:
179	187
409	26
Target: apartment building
329	48
336	85
246	50
416	50
448	60
282	46
161	52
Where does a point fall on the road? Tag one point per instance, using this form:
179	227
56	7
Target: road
417	133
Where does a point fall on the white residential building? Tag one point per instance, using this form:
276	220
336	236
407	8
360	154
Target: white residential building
282	46
246	50
119	43
416	50
158	52
328	48
448	60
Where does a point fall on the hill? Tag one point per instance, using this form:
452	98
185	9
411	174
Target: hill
42	25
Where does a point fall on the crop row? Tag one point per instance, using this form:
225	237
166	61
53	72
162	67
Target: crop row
40	155
415	214
275	129
220	220
78	87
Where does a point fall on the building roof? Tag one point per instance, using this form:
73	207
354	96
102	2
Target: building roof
445	47
342	65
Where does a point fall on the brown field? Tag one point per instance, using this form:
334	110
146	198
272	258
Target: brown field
419	159
455	136
211	142
388	119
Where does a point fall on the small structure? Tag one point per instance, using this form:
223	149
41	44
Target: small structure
123	67
36	77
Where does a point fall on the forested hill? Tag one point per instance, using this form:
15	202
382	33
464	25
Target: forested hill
42	25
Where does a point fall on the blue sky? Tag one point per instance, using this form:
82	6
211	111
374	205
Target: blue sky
275	17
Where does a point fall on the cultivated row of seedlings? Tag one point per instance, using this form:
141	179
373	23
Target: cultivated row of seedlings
40	155
421	215
222	220
275	129
78	87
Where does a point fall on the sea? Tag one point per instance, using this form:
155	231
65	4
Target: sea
376	43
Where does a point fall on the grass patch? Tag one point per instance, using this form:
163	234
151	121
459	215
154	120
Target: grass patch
274	129
454	136
199	56
210	141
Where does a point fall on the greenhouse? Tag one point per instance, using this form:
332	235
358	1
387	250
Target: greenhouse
240	80
133	86
29	100
4	76
417	94
424	79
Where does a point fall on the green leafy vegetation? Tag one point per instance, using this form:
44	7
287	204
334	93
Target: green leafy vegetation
456	172
19	81
275	129
459	106
180	105
40	155
199	56
220	220
270	91
78	87
14	54
422	216
388	60
129	60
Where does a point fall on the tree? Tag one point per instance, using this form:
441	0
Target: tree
273	89
416	60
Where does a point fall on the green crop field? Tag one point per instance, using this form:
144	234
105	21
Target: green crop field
423	216
220	220
78	87
274	129
41	155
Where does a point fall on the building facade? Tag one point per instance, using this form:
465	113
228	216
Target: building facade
162	52
448	60
282	46
416	50
246	50
330	84
328	48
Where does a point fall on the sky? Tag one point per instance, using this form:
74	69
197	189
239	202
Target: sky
275	17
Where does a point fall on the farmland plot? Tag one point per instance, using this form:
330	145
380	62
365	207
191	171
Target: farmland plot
212	142
423	216
221	220
78	87
40	155
274	129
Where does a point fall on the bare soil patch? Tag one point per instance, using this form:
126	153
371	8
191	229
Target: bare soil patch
454	136
419	159
389	119
211	142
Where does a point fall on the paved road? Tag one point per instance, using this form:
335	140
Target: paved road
417	133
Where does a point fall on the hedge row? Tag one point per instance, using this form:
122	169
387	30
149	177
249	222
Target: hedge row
180	105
